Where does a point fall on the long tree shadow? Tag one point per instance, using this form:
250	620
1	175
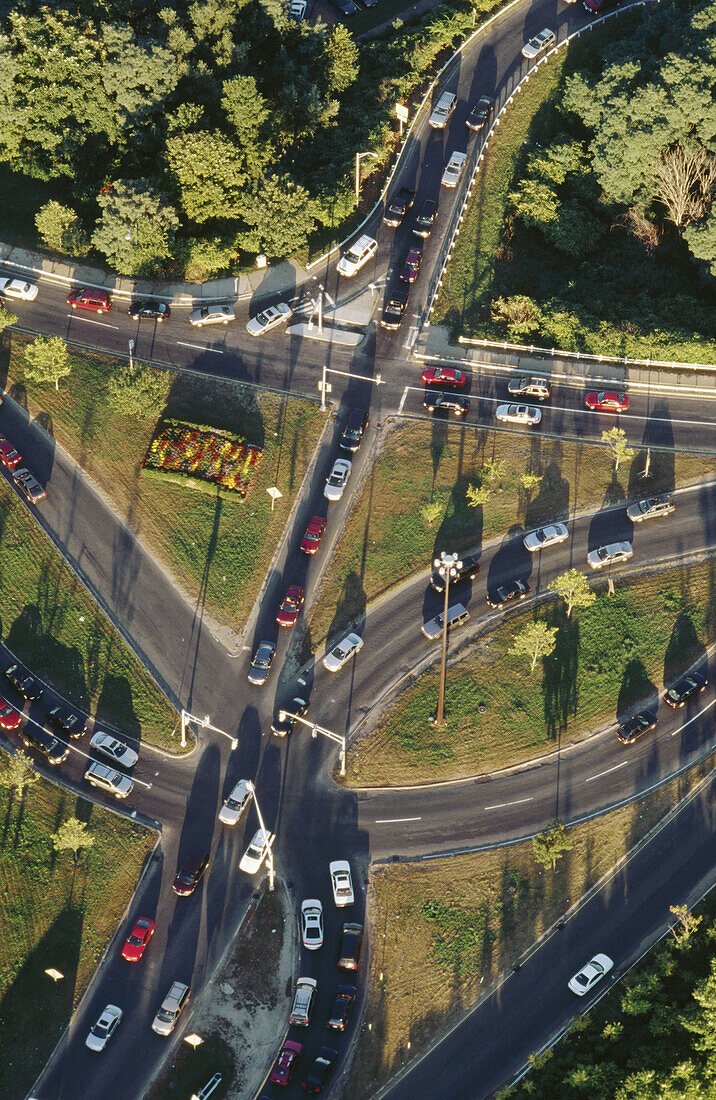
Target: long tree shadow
683	650
461	525
552	500
31	639
350	609
636	690
115	707
559	684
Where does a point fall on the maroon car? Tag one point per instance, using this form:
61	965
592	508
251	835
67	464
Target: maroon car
444	376
411	267
10	718
292	604
8	455
96	301
607	401
314	533
286	1062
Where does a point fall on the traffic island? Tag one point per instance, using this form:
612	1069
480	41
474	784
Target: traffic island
339	336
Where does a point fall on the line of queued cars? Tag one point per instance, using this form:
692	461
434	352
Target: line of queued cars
25	481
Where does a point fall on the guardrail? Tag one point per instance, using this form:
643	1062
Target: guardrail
503	345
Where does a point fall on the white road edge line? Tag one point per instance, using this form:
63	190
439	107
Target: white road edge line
701	713
614	769
200	347
502	805
402	400
395	820
89	321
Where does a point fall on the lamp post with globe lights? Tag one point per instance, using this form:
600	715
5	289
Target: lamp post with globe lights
448	566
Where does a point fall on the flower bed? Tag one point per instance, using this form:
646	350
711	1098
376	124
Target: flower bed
204	456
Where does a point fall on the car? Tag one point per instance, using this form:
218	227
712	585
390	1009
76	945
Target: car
357	256
319	1071
651	508
395	306
114	749
269	318
685	689
101	1032
116	783
342	652
607	401
518	414
236	802
337	479
175	1001
314	533
257	851
426	218
598	7
18	288
633	727
457	615
529	386
9	457
281	727
508	593
86	297
454	402
467	571
311	924
29	485
592	973
341	882
151	311
27	685
444	376
454	169
545	40
190	873
285	1064
480	113
345	996
138	939
399	207
354	430
68	721
550	535
52	748
291	605
442	110
261	663
349	953
611	554
10	718
212	315
297	10
411	267
346	7
303	1000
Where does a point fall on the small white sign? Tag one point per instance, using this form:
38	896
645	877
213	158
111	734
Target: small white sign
401	112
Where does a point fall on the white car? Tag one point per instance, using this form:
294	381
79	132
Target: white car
312	924
337	479
99	775
518	414
297	9
357	255
235	803
114	749
104	1029
442	110
18	288
268	319
342	652
611	554
211	315
651	508
546	536
257	851
341	882
165	1020
537	45
592	973
454	169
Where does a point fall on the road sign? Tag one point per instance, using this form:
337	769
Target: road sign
275	495
401	112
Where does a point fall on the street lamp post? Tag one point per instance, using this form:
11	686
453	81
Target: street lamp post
186	717
447	566
325	388
359	157
315	730
269	858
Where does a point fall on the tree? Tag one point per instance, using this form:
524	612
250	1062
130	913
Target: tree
72	835
535	640
574	589
136	229
520	315
686	927
247	112
529	482
616	441
137	390
432	511
138	74
47	360
549	846
6	318
282	214
341	60
685	178
17	772
210	173
475	495
61	230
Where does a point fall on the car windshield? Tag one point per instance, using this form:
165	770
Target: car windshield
100	1029
262	318
165	1014
135	940
186	877
232	803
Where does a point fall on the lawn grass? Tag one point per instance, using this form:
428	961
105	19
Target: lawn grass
218	550
610	656
50	622
391	533
55	915
442	931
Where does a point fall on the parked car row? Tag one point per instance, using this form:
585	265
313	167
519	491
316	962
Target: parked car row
26	482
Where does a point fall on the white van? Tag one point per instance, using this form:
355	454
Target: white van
442	111
357	255
457	614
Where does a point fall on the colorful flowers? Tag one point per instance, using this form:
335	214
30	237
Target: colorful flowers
206	454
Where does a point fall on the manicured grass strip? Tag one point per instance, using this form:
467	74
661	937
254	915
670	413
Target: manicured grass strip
610	656
54	914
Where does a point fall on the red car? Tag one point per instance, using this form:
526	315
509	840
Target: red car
607	401
8	455
96	301
292	603
10	719
138	939
314	533
444	376
285	1063
411	267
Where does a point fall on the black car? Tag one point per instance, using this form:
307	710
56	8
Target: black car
399	207
261	663
480	113
26	684
152	311
54	750
395	306
281	727
506	593
685	689
345	996
353	432
74	725
318	1073
468	571
346	7
189	874
449	401
634	727
351	940
426	218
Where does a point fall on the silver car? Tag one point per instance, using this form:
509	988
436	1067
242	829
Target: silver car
165	1020
29	485
454	169
341	653
104	1029
546	536
99	775
18	288
537	45
611	554
211	315
592	973
337	479
114	749
518	414
235	803
257	851
269	318
651	508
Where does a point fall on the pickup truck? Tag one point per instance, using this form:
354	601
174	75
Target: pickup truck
399	207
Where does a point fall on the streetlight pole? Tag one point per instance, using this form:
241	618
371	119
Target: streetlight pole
359	157
269	858
377	381
315	730
447	566
186	717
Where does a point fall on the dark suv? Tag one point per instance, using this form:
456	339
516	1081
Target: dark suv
426	218
470	569
480	113
191	871
506	593
67	721
54	750
350	946
399	207
26	684
353	432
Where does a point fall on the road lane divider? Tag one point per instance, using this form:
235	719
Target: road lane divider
504	805
395	820
200	347
616	768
